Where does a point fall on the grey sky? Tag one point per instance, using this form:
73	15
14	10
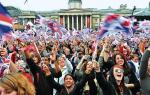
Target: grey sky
48	5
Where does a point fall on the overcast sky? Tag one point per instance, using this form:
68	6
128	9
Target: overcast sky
48	5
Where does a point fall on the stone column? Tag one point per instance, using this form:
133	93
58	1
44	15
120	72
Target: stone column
77	23
23	21
64	21
81	22
85	21
91	22
68	23
73	22
88	21
61	19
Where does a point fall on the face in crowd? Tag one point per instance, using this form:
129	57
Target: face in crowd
61	61
3	52
68	81
36	59
125	51
118	72
4	91
46	61
135	58
115	50
119	60
89	66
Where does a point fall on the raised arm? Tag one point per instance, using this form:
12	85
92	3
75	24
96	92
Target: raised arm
144	63
68	64
50	78
33	67
106	86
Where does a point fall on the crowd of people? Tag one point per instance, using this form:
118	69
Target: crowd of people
75	67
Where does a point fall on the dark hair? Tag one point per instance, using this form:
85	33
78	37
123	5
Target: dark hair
113	80
69	75
114	58
134	55
125	65
38	56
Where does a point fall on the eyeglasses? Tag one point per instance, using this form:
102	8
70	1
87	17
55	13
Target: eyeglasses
119	71
115	50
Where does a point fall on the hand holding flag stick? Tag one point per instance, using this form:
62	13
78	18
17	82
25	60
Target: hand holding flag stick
95	50
29	50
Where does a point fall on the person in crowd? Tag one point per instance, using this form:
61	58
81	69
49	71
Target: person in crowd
37	59
125	50
130	78
4	61
70	87
145	72
105	59
115	50
135	64
115	86
40	81
91	87
65	67
55	71
16	84
141	46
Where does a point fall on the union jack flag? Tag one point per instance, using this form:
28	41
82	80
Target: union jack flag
5	21
114	22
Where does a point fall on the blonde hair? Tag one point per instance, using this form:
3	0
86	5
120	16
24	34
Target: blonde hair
17	82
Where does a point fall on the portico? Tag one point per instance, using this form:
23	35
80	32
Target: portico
75	21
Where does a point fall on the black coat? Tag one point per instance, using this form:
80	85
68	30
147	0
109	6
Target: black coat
63	91
144	76
41	84
106	86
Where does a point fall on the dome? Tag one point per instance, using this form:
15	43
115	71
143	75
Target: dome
75	4
72	1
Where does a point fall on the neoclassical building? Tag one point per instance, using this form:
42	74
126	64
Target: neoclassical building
75	17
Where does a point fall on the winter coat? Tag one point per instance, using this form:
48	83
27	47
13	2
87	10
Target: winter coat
144	76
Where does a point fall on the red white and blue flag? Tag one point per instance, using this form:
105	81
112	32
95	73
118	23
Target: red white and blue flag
55	27
5	21
40	20
114	22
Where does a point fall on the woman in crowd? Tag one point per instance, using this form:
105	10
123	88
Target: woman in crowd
65	67
91	87
135	64
16	84
130	80
116	84
70	87
40	81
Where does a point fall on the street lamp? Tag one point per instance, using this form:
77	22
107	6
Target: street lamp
134	8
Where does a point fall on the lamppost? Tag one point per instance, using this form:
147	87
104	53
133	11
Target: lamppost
134	8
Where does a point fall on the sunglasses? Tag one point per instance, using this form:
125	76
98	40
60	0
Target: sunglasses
116	50
119	71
